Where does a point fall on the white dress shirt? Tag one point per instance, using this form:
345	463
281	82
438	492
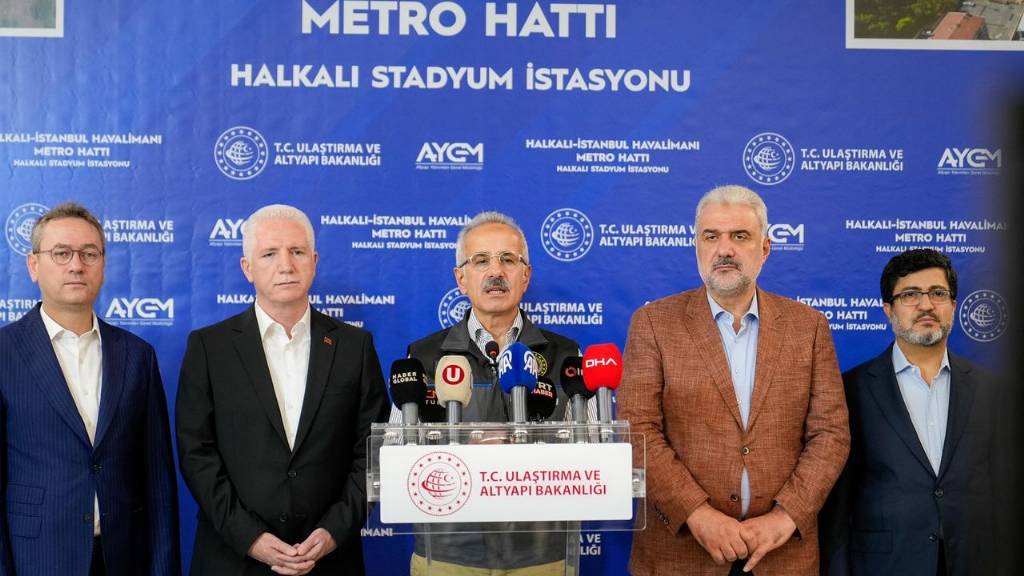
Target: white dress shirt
288	361
81	362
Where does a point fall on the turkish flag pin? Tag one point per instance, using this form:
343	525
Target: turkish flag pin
328	341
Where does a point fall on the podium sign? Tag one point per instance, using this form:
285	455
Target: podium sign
505	482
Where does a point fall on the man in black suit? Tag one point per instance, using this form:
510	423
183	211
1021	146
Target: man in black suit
926	473
273	411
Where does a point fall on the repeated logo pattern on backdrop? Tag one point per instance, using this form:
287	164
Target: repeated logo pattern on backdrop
597	126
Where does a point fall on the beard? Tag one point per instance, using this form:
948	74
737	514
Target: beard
925	338
732	285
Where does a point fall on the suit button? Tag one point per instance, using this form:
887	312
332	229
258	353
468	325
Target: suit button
933	537
746	450
87	518
734	498
97	467
938	492
292	473
283	517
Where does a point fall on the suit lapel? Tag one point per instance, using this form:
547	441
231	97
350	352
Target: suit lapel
701	325
886	392
46	373
249	344
322	345
114	361
770	335
961	399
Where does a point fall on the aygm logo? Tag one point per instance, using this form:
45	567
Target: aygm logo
227	232
439	483
786	236
970	161
567	234
141	312
451	156
768	158
241	153
983	315
453	308
18	227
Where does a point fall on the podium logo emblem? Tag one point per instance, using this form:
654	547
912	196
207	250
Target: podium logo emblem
439	483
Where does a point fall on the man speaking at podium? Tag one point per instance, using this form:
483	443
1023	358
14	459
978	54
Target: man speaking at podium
492	268
738	393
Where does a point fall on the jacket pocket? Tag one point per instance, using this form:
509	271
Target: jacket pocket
875	541
25	494
23	526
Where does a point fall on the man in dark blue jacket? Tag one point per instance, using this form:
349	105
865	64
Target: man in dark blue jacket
85	448
926	473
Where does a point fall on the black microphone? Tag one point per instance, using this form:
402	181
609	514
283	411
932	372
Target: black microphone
491	350
408	388
432	410
541	401
571	376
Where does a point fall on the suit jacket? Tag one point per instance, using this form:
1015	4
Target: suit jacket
235	456
890	510
677	391
51	472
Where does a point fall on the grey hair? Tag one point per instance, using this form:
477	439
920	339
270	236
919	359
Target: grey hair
64	210
488	218
734	194
274	212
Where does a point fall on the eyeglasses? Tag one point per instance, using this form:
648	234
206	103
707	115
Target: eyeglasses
482	260
62	255
913	297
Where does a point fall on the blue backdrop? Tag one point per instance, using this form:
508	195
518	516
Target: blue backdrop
597	126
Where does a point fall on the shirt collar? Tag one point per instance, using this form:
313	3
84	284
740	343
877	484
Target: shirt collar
265	323
481	336
900	362
717	310
53	329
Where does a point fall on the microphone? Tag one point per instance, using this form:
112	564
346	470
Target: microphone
491	350
541	401
453	382
602	372
431	410
571	376
517	372
408	388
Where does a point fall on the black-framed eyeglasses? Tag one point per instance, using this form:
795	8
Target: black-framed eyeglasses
913	297
482	260
61	255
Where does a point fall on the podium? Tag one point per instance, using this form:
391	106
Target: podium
504	495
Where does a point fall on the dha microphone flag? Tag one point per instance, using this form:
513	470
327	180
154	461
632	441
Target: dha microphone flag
602	371
602	367
453	382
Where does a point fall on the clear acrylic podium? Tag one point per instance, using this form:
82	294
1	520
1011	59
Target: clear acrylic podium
504	495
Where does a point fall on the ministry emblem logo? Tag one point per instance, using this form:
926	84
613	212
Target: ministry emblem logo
567	234
241	153
18	227
768	158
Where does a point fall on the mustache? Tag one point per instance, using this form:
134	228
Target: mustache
727	261
496	282
926	315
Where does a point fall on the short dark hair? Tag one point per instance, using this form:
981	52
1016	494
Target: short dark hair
64	210
912	261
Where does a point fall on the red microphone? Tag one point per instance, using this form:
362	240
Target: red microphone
602	372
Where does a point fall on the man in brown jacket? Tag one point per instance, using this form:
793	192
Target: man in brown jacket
739	396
